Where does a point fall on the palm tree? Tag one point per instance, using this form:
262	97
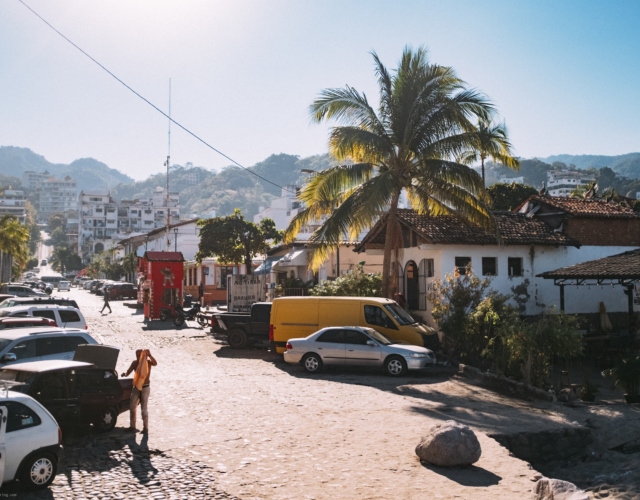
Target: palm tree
130	263
59	259
581	191
492	143
14	242
424	122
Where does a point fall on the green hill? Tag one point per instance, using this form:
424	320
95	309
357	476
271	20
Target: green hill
90	173
627	165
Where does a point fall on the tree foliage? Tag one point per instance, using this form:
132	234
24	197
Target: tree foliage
14	239
355	284
233	239
64	259
509	196
130	263
55	221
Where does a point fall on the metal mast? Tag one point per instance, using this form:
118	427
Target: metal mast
166	230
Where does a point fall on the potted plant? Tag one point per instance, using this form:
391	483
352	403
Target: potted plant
589	389
626	375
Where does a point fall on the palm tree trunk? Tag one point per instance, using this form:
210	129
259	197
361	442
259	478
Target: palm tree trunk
484	184
389	244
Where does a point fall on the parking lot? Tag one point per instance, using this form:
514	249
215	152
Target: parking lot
227	423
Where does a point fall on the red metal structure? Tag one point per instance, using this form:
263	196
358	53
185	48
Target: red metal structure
161	281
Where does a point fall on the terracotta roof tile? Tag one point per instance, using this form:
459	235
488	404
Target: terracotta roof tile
579	207
621	266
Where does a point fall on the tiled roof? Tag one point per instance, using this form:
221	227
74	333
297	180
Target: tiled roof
579	207
515	229
621	266
164	256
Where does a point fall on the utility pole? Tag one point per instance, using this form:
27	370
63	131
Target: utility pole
168	158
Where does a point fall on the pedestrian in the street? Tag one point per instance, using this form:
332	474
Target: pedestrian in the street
141	388
105	293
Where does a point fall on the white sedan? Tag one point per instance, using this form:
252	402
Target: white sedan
357	346
30	441
64	285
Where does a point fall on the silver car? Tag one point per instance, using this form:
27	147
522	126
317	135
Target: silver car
356	346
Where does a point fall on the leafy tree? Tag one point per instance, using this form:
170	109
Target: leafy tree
232	239
493	143
424	121
580	191
58	238
32	263
64	259
509	196
130	263
55	221
14	239
355	284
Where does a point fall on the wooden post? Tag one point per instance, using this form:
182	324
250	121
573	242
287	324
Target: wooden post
562	298
630	303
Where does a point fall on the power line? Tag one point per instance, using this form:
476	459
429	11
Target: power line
149	102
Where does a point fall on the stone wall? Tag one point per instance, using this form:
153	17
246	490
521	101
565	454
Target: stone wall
500	382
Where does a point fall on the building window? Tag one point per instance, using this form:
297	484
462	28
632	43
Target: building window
221	276
515	266
430	270
463	264
489	266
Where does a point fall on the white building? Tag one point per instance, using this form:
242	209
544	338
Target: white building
31	178
56	195
13	203
103	222
546	234
509	180
183	237
562	182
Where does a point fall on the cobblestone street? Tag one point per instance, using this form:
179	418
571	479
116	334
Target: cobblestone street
244	424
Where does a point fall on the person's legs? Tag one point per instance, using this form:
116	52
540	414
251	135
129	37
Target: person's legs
103	306
106	304
133	405
145	412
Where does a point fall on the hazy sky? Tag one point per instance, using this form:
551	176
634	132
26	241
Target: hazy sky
564	75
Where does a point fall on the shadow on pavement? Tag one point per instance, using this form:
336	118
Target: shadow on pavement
466	476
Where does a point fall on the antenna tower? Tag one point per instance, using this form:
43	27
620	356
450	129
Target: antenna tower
168	163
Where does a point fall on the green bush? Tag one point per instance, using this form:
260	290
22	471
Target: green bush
32	263
355	284
626	374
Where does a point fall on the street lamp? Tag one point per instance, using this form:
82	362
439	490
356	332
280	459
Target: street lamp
146	240
175	238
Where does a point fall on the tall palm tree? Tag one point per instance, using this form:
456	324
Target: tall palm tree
14	240
59	259
492	143
130	263
425	120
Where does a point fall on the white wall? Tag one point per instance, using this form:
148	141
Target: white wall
542	293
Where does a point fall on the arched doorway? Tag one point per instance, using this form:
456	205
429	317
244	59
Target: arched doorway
413	293
99	247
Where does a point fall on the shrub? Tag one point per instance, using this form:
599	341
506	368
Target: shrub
355	284
626	374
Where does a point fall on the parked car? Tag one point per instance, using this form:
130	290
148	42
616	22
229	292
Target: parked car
20	290
64	285
87	284
40	301
32	442
7	323
95	285
295	317
21	345
123	291
5	296
43	262
99	290
356	346
64	316
243	329
74	392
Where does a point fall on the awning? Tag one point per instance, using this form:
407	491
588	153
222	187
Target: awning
267	265
293	258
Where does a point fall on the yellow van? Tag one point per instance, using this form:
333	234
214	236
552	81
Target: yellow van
295	317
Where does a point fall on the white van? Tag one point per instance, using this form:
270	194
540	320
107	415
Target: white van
65	317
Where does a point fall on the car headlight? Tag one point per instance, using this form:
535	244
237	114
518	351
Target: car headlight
419	355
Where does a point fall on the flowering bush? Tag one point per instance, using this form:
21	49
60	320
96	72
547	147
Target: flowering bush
355	284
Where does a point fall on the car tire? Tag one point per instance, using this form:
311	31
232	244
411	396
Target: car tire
107	420
163	317
395	366
312	363
39	471
178	320
237	339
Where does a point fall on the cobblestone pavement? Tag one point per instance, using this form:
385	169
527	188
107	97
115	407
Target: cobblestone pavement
244	424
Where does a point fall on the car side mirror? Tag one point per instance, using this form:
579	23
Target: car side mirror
9	357
371	343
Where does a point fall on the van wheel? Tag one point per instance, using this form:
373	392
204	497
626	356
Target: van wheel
312	363
39	471
237	339
107	420
395	366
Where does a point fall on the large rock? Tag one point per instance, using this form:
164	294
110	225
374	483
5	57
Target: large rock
449	444
555	489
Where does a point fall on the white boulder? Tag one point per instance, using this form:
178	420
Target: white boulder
555	489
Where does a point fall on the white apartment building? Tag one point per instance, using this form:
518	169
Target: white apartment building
13	203
56	195
31	178
562	182
509	180
103	222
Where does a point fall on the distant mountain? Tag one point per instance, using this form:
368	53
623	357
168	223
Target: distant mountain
627	165
90	173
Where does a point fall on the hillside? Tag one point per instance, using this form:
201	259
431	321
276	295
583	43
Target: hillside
229	189
627	165
90	173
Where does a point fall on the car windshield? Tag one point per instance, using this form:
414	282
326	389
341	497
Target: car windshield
400	315
7	303
378	337
4	343
25	378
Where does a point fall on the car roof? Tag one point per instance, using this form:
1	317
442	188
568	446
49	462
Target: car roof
47	365
39	306
43	300
368	299
18	333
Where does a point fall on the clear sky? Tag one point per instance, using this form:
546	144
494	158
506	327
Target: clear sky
564	75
